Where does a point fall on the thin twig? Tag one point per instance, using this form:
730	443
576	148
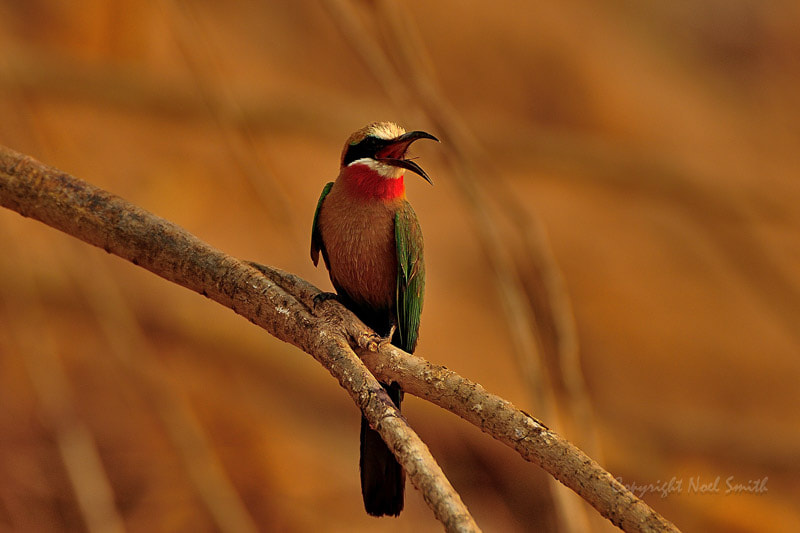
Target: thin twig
328	332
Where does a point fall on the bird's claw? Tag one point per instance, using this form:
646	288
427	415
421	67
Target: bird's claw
370	341
384	342
373	342
323	297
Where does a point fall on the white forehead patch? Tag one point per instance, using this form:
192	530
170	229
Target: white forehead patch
386	130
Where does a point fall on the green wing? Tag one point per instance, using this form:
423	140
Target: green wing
316	238
410	276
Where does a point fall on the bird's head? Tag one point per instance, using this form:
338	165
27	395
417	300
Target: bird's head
379	149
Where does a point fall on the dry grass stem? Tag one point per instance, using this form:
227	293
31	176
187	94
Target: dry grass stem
224	107
131	350
76	444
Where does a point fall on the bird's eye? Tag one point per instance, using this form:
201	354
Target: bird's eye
366	147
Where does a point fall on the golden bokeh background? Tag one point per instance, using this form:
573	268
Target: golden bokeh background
649	150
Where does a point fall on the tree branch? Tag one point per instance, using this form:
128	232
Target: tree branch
534	441
109	222
283	304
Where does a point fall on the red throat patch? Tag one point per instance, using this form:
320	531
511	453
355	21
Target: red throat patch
366	183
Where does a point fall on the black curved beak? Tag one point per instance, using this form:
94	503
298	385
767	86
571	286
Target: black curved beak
412	136
396	150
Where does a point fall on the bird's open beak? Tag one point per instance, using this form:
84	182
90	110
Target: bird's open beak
394	153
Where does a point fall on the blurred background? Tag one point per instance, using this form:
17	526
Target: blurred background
612	244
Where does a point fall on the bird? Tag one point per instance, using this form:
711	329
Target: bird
371	242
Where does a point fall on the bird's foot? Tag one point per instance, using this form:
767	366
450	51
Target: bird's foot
391	333
370	341
323	297
374	342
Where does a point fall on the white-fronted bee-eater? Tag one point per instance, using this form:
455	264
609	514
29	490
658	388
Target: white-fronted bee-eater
371	242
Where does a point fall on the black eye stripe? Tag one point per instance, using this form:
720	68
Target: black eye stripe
367	147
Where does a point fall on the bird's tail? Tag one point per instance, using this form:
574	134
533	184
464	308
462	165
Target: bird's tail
382	478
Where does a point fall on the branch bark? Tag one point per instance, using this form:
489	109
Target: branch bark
283	304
